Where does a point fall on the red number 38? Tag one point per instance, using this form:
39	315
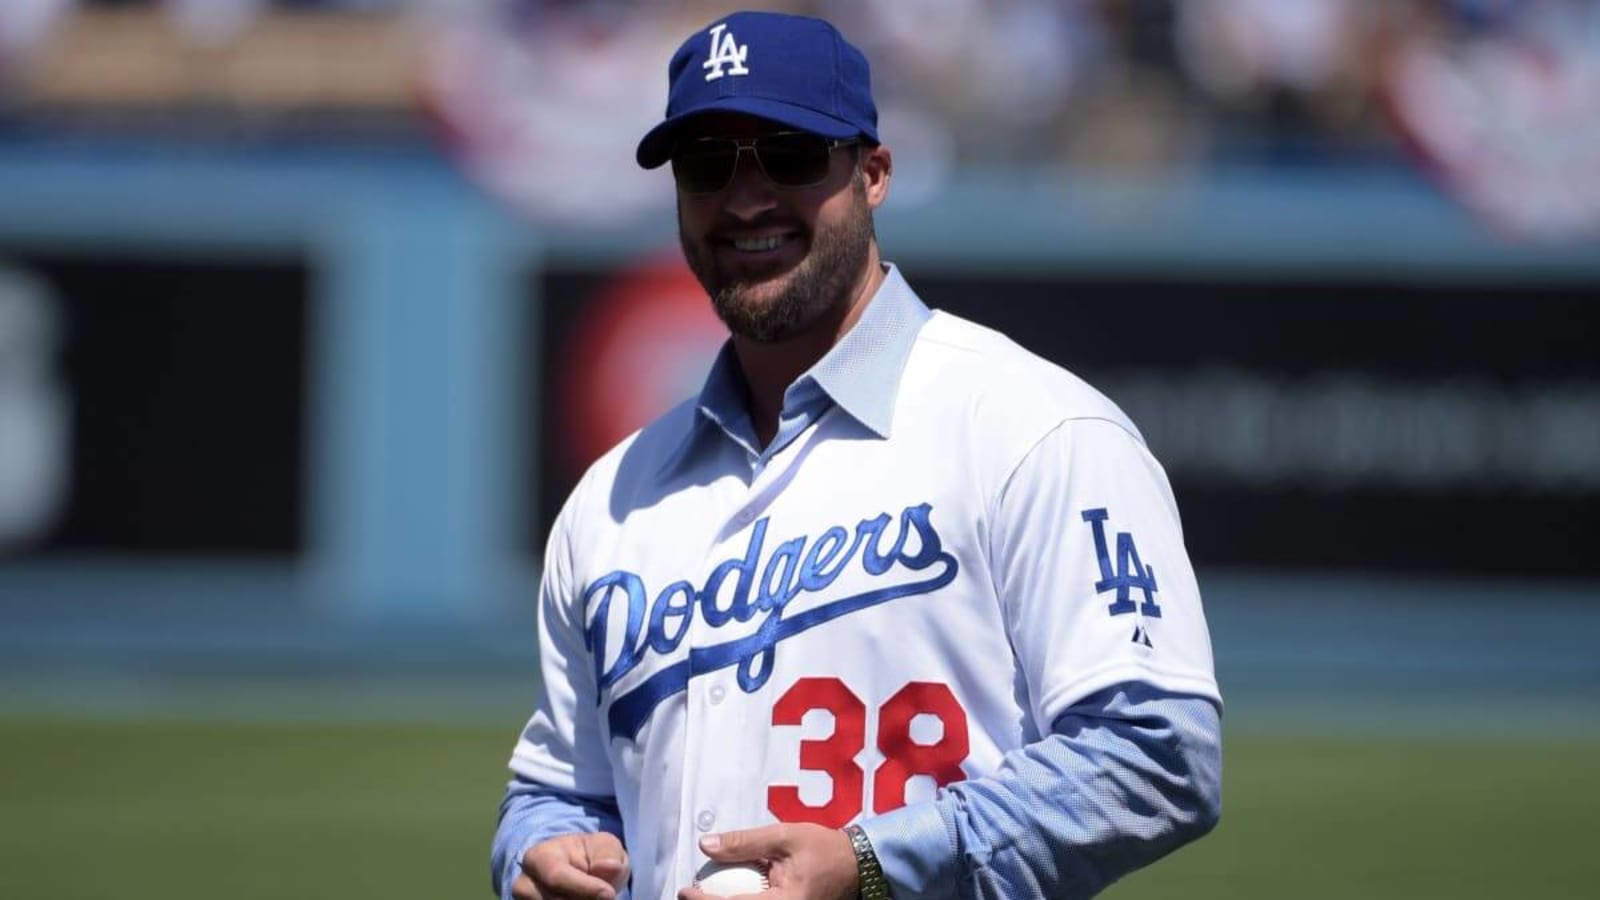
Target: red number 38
835	755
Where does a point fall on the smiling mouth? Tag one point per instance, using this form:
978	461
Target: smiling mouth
760	244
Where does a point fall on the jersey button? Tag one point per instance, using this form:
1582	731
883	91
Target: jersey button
718	694
705	820
745	517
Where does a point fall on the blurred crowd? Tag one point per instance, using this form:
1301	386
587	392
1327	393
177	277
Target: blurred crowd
1136	84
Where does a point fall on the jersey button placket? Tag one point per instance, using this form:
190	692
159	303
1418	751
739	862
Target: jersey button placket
706	693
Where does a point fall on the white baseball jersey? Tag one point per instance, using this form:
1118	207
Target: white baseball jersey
969	540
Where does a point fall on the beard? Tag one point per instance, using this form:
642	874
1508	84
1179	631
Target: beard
820	282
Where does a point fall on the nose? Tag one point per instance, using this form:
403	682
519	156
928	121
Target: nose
750	193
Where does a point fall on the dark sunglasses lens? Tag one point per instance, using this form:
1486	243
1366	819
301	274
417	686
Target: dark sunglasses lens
703	169
794	160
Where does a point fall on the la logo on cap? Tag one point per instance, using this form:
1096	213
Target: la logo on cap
725	51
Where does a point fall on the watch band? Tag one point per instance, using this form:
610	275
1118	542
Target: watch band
873	886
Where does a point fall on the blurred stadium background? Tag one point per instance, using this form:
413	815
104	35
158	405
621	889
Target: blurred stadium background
310	312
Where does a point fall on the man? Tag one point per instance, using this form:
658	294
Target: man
893	607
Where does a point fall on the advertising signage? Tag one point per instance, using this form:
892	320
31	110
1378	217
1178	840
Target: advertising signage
151	408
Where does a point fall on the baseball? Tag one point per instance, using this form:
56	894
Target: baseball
731	879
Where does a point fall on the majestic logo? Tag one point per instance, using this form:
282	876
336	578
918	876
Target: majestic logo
1130	573
725	52
795	567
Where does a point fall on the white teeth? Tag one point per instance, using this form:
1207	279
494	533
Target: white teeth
757	244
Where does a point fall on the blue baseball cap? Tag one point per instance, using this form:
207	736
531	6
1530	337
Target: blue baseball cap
795	70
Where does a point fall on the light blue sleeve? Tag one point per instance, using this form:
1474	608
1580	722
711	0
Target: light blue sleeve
1128	775
531	813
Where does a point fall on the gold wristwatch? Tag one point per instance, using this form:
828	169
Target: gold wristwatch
869	874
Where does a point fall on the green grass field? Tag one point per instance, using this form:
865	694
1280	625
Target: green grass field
147	811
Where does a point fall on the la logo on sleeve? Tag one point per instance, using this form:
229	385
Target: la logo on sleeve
1130	572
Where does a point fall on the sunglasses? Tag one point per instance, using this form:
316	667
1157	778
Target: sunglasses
790	160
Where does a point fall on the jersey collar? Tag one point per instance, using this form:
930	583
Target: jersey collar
861	374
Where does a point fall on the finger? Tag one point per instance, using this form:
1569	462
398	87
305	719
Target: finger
750	845
565	880
523	889
612	871
606	858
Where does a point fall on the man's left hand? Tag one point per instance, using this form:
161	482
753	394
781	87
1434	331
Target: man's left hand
807	862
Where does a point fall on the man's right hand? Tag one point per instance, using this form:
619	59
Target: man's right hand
573	867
